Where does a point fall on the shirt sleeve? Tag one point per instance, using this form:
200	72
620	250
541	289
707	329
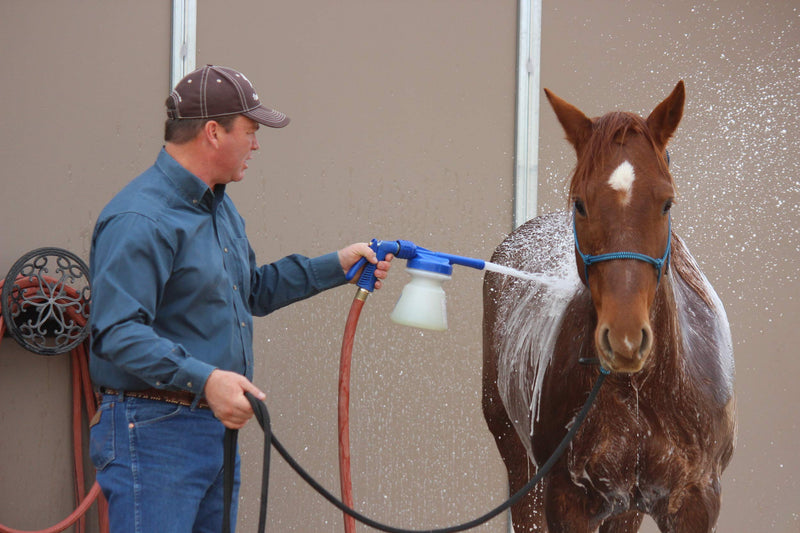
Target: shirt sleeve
291	279
131	264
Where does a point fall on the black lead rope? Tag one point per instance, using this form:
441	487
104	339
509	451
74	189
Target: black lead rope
262	415
228	473
229	465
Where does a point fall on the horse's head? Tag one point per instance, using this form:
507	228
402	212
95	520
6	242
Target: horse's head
621	194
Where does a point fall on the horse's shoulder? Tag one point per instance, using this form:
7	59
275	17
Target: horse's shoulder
526	315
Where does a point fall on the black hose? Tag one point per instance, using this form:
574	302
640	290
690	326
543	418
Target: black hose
262	415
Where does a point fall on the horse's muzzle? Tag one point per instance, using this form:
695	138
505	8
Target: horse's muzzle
624	349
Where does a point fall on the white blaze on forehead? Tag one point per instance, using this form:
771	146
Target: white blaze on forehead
622	179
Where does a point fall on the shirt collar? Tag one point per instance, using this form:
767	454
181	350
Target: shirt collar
194	190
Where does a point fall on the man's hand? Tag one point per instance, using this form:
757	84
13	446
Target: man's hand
224	392
350	255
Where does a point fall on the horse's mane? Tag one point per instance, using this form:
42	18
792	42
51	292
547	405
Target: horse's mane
687	268
609	134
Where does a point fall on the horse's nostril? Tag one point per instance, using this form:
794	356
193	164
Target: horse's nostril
647	342
605	342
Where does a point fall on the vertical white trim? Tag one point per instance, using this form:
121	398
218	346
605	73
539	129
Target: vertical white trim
526	151
184	39
527	138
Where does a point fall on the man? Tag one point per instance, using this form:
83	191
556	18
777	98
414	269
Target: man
174	287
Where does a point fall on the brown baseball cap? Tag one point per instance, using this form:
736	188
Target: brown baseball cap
213	91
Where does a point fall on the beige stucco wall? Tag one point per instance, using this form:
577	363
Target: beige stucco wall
81	86
403	127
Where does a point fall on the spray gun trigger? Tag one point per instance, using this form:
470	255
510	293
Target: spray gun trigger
355	268
361	262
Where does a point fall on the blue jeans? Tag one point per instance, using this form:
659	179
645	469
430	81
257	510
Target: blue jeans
160	466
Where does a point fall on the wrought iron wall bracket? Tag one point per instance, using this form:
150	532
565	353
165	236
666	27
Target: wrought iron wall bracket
45	301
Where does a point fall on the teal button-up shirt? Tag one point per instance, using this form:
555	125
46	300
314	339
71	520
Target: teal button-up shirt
175	284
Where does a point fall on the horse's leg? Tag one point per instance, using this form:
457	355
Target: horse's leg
528	514
569	507
697	512
624	523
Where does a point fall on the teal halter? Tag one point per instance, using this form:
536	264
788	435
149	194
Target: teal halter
588	259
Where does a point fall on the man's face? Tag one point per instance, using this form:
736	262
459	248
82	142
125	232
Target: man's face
236	147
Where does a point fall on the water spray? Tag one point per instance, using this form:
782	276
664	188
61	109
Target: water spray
422	301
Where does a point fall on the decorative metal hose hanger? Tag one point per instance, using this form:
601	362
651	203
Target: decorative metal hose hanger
45	302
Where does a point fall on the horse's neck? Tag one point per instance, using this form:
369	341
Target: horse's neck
694	348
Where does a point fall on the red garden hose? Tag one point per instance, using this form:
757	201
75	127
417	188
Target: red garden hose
345	477
82	396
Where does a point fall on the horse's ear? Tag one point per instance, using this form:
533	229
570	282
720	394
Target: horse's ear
664	119
577	126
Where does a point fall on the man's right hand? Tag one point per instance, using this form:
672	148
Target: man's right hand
224	392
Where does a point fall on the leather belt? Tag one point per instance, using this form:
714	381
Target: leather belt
177	397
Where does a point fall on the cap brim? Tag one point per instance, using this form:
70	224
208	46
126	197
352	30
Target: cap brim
267	117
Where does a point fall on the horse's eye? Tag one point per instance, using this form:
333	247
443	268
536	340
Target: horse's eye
667	206
579	207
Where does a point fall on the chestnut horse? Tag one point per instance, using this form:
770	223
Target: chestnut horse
620	289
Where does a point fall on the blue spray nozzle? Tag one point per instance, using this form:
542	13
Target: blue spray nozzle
478	264
399	248
418	258
430	262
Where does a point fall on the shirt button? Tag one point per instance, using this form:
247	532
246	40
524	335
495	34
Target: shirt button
189	384
130	426
194	201
243	324
225	250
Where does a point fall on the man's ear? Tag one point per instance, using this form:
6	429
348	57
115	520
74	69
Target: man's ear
211	132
